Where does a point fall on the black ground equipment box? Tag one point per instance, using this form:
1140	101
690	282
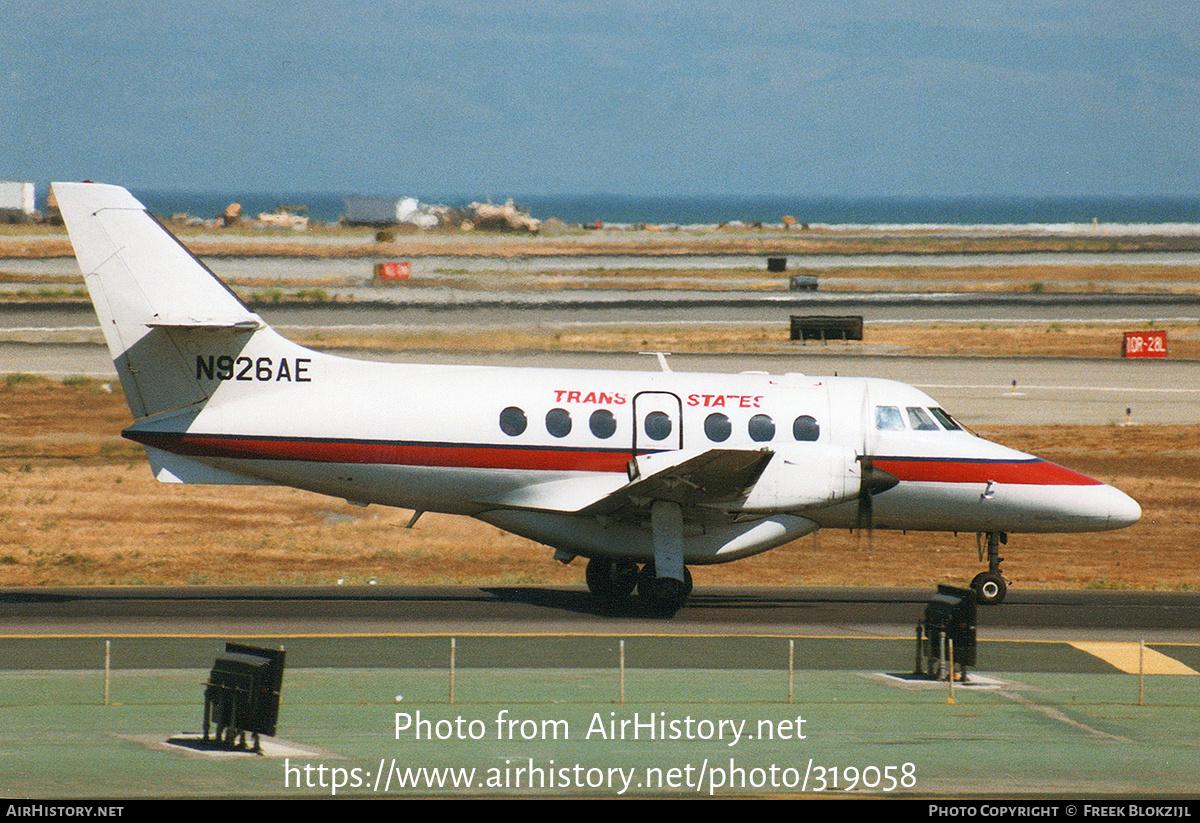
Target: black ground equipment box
242	694
949	619
827	327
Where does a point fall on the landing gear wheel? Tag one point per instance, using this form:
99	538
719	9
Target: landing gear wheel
990	588
611	580
664	594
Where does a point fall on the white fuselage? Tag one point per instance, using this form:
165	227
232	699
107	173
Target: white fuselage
544	443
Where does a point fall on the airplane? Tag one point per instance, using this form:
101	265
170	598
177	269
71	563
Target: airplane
643	473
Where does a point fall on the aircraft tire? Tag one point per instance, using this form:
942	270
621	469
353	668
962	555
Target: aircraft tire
611	580
990	588
664	595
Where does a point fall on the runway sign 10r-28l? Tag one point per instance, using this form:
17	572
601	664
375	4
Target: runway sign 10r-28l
1145	344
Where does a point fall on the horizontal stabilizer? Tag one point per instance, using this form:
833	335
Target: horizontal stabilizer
236	324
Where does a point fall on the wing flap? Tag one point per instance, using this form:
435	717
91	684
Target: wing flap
689	478
710	477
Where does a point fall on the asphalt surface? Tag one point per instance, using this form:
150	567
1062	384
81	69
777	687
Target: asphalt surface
437	307
506	610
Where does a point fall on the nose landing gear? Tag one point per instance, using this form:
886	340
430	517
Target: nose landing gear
990	586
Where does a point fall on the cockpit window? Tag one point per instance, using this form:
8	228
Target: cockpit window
920	420
948	422
887	418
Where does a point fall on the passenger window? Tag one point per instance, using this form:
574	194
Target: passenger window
658	425
717	427
920	420
512	421
558	422
887	418
761	428
806	428
602	423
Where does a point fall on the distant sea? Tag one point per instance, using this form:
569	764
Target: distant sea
610	208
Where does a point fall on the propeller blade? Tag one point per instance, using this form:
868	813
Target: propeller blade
872	481
865	516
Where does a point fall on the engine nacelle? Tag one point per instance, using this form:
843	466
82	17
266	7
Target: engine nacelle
804	476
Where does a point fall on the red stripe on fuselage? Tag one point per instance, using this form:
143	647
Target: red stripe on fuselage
921	470
1033	472
384	453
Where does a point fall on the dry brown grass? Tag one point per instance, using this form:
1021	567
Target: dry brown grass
84	510
1039	339
1069	279
333	242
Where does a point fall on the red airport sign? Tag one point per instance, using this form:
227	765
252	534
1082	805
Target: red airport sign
392	270
1145	344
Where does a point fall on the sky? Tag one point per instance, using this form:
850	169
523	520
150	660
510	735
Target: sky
1041	98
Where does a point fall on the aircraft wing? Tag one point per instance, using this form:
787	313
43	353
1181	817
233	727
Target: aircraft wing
688	478
713	476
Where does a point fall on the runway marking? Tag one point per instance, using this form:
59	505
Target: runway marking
1058	715
1124	655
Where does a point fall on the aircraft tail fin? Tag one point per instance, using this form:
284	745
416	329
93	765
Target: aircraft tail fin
154	298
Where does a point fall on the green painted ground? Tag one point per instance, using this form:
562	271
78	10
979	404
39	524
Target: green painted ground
1055	723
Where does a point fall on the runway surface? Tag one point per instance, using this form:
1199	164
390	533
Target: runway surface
454	308
979	391
768	611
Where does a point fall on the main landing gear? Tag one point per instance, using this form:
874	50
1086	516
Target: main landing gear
664	582
990	586
613	581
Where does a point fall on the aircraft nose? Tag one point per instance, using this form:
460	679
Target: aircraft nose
1123	510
